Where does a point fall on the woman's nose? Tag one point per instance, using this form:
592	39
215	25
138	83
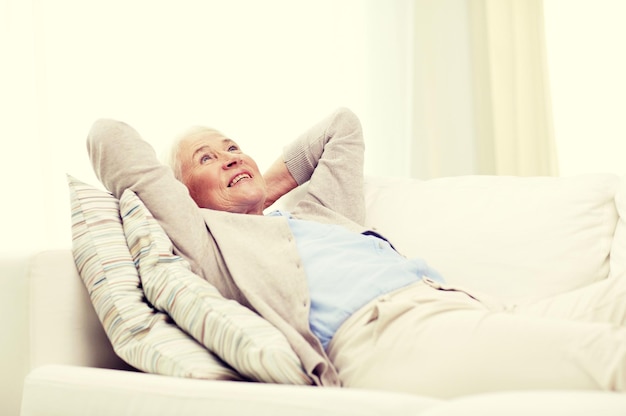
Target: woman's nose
230	160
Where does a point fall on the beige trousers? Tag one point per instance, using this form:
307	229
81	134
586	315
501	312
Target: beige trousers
442	341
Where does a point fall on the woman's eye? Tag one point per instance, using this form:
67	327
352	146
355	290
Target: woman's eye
205	159
233	148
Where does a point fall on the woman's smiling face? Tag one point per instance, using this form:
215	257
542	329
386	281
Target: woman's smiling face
219	175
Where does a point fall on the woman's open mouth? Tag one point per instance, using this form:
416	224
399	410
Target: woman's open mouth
238	178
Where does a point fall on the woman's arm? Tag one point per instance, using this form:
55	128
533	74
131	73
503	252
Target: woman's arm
330	155
279	181
123	160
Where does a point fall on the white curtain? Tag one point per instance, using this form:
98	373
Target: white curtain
481	99
514	128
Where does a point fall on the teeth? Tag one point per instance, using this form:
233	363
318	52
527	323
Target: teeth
238	178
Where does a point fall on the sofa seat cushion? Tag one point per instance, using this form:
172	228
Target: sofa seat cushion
76	391
527	403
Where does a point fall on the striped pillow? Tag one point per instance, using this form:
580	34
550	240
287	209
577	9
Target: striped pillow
143	337
249	343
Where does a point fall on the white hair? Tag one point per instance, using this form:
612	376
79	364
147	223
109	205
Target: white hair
172	158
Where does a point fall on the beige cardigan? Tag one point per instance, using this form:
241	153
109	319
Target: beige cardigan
250	258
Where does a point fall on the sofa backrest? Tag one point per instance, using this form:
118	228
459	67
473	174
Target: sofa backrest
64	327
517	238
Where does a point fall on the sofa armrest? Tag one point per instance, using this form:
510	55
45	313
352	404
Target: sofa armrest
64	327
78	391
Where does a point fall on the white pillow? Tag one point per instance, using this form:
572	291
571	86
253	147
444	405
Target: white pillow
243	339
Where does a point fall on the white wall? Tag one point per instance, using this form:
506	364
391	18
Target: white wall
587	66
259	71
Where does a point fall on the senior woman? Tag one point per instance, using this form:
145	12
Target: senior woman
355	311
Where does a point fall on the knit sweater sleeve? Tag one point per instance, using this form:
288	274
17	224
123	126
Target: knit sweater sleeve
330	157
123	160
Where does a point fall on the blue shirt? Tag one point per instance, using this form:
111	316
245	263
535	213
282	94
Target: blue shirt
346	270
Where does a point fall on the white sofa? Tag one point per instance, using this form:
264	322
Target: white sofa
518	238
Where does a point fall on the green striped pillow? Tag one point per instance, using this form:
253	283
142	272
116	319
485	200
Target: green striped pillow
243	339
143	337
